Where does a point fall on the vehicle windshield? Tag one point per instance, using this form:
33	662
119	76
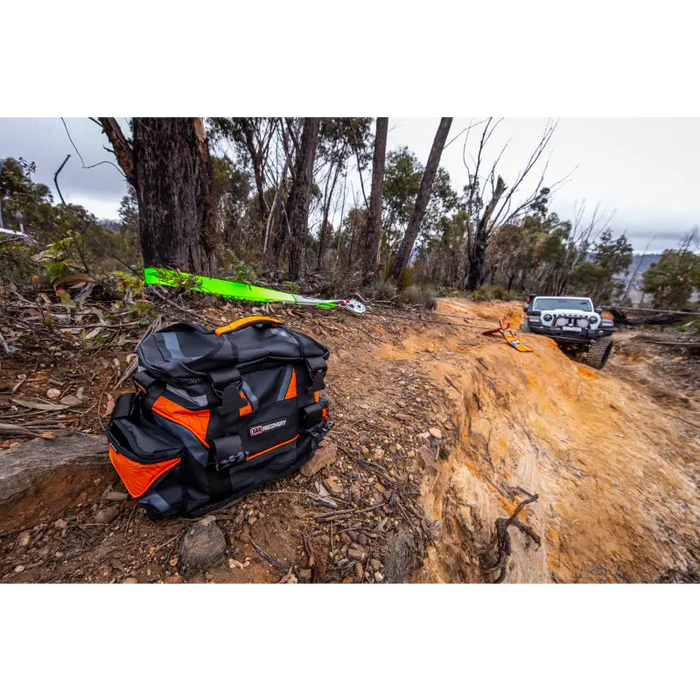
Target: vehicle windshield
552	303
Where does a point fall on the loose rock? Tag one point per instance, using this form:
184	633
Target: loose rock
53	394
321	459
70	400
436	433
356	553
107	515
24	540
130	579
359	571
203	544
116	496
427	458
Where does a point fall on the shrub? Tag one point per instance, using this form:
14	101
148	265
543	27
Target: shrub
414	296
383	290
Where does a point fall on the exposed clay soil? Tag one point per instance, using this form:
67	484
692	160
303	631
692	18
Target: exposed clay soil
610	453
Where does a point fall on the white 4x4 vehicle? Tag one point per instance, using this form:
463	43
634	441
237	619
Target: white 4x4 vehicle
574	323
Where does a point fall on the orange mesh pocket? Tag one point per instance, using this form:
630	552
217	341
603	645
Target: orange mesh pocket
139	477
196	422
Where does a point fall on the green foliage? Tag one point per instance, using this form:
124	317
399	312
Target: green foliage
415	296
491	292
128	283
673	279
382	290
236	270
291	287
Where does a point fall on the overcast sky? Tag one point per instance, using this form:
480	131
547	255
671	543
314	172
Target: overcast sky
644	172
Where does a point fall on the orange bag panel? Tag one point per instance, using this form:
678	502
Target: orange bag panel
246	409
196	422
269	449
241	322
292	388
138	477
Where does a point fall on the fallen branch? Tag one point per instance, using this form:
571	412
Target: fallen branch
503	537
269	558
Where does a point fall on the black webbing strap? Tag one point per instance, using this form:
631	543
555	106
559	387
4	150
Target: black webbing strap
317	369
311	415
231	399
124	406
143	380
227	450
227	375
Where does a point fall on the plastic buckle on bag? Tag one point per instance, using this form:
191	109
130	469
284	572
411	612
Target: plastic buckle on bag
227	450
317	369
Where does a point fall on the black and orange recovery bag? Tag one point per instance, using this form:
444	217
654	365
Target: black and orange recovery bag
217	413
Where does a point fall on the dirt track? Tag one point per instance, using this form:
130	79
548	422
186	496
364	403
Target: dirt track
613	463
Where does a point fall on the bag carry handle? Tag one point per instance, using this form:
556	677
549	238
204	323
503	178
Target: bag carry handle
265	321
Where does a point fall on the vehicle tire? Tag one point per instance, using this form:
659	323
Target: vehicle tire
524	328
598	355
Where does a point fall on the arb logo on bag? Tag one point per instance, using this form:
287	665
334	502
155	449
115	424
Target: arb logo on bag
267	427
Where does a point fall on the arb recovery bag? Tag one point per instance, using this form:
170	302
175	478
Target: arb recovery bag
217	413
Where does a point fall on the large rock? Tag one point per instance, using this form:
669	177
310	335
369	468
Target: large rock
203	544
325	455
25	466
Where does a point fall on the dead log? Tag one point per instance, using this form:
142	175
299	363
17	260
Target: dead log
670	343
645	318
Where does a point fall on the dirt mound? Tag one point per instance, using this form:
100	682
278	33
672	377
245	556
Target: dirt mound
616	474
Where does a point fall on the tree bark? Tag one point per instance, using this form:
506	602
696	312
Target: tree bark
422	199
256	158
477	253
323	240
373	235
121	146
167	161
300	198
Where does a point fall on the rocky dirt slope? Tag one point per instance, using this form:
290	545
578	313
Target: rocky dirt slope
439	431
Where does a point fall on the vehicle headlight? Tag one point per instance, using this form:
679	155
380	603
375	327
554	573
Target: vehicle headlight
593	320
547	317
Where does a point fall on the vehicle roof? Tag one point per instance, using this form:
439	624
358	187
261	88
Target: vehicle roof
555	296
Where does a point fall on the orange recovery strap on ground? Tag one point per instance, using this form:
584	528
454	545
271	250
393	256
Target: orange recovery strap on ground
138	477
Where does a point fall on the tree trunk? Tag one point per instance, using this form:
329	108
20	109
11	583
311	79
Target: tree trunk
256	158
323	241
167	161
373	235
477	254
300	198
422	199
